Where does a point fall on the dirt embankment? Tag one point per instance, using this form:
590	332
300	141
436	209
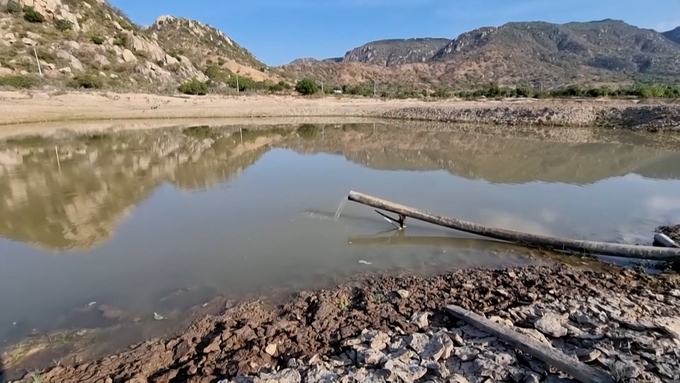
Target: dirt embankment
24	108
649	118
393	329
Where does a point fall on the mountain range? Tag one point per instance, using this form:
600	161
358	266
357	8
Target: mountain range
89	43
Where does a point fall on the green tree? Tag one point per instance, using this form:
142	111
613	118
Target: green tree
194	87
63	25
307	86
33	16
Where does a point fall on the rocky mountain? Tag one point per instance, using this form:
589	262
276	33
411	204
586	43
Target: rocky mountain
531	53
673	35
89	43
396	52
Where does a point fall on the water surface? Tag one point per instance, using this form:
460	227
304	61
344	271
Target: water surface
157	221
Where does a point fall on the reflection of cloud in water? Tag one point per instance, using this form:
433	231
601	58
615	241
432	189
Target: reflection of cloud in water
666	207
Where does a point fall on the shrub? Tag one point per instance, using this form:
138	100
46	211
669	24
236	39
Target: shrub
121	40
306	86
45	55
63	25
99	40
13	7
33	16
86	81
18	81
220	61
194	87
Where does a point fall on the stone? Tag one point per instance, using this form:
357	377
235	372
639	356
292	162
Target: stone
23	73
271	349
10	37
113	75
457	339
670	326
128	56
551	324
502	321
466	353
377	340
417	342
320	374
531	377
674	293
421	319
73	61
438	369
213	346
32	35
284	376
29	42
72	45
369	356
65	70
5	71
407	372
624	371
101	60
457	378
588	356
403	294
169	60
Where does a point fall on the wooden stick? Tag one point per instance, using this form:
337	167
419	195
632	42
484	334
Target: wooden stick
560	244
575	368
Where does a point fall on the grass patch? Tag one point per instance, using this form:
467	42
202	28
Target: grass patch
18	81
344	303
199	132
86	81
31	346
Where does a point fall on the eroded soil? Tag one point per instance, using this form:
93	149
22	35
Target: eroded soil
239	342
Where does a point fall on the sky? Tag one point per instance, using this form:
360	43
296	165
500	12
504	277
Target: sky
279	31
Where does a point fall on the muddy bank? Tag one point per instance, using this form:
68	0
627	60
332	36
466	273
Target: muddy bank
635	117
628	114
393	329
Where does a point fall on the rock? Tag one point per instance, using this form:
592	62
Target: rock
551	324
588	356
320	374
29	42
403	294
284	376
113	75
408	373
128	56
72	45
421	319
674	293
466	353
101	60
502	321
151	48
271	349
377	340
457	339
670	326
369	356
624	371
10	37
73	61
531	377
5	71
436	368
169	60
457	378
213	346
24	73
417	342
32	35
439	346
65	70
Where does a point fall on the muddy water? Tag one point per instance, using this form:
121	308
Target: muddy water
103	229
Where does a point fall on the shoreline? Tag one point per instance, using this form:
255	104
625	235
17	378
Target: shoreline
620	321
635	115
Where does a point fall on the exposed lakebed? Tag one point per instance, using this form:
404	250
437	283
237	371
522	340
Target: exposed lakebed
124	225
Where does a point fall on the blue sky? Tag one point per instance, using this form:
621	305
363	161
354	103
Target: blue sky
278	31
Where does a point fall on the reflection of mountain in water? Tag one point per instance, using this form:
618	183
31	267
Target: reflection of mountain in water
494	159
103	177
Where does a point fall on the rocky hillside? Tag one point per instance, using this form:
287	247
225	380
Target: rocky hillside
396	52
90	44
532	53
673	35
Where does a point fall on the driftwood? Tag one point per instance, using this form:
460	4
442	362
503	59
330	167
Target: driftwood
534	240
576	369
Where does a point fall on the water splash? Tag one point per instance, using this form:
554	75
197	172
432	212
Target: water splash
342	206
